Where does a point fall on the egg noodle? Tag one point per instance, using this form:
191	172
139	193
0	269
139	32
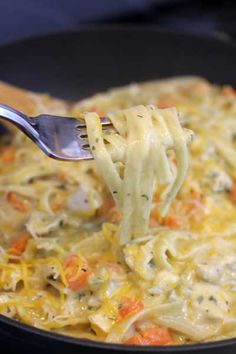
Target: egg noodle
144	135
128	248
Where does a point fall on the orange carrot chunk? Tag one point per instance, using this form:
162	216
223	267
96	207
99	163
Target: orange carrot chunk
96	110
18	202
165	103
76	271
170	221
8	155
129	306
151	336
233	194
135	340
18	245
157	336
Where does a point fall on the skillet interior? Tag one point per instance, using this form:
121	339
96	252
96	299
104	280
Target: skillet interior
78	63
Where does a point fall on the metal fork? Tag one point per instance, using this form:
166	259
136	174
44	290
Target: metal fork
61	138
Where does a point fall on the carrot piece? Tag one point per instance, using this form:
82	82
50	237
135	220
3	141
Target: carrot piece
135	340
96	110
8	155
107	205
17	202
19	244
165	103
170	221
129	306
157	336
114	215
76	271
109	210
233	193
151	336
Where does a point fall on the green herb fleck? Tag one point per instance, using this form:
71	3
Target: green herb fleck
61	186
93	148
145	196
81	295
213	299
111	318
200	299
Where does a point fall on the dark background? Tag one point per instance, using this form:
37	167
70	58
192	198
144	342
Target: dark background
21	18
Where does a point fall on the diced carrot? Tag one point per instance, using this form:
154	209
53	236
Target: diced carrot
170	221
165	103
114	215
18	245
129	306
155	213
135	340
151	336
157	336
18	202
96	110
233	193
107	205
8	155
109	210
76	271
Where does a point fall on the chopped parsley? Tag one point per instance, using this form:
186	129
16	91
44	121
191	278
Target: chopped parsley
145	196
213	299
61	223
200	299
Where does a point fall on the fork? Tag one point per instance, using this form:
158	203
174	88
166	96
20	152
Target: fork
61	138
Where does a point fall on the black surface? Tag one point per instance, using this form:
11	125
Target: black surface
24	17
75	64
198	16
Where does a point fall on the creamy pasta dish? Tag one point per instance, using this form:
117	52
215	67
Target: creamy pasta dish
137	246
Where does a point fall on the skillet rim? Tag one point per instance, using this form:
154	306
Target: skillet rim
114	346
214	37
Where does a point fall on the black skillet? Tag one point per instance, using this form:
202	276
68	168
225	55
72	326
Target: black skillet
78	63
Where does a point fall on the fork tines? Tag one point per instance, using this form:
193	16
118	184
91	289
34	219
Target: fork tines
104	121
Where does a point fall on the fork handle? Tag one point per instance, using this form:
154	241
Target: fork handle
20	120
